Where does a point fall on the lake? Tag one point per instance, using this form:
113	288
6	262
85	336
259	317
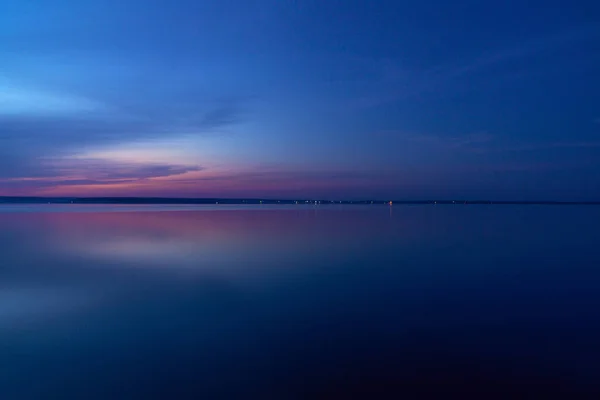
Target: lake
299	302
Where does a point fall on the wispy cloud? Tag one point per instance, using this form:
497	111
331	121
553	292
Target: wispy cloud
15	101
550	145
260	181
485	142
26	141
97	128
396	82
75	172
450	142
528	48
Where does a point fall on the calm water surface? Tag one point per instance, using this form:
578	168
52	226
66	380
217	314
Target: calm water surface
374	302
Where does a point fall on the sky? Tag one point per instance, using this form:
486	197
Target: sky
330	99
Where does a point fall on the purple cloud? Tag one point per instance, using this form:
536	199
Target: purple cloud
93	172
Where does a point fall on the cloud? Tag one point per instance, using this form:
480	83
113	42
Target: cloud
553	145
190	181
483	142
18	101
28	142
526	49
454	142
51	132
74	172
106	170
56	103
396	83
285	180
507	146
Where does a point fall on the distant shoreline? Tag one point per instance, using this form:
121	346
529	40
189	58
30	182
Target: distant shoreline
168	200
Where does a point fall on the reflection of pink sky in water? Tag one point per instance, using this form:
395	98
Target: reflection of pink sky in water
203	238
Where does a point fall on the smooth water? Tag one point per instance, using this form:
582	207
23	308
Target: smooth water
299	302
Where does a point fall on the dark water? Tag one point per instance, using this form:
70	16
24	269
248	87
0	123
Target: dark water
300	303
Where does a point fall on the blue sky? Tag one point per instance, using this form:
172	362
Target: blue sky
280	98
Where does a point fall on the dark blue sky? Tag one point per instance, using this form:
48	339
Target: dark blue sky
280	98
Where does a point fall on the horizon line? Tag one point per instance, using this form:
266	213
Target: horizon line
259	200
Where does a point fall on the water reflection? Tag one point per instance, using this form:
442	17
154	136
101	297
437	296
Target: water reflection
298	303
177	238
22	305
